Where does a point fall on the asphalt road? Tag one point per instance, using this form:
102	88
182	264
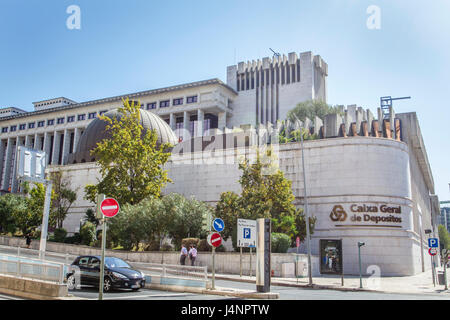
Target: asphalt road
286	293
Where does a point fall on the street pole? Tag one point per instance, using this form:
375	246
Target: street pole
213	267
102	262
240	263
251	249
44	230
100	198
360	244
308	240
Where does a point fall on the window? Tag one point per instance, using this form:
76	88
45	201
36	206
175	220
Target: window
103	111
22	126
192	99
13	128
31	125
151	105
81	117
92	115
71	119
177	102
50	122
60	120
4	129
164	103
41	124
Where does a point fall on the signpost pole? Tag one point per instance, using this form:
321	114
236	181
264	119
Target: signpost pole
102	263
44	230
240	263
251	261
213	267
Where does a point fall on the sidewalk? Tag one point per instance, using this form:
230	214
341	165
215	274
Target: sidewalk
418	284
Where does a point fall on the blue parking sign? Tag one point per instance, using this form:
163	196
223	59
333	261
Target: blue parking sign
247	233
433	242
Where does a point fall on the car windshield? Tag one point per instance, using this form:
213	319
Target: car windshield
116	263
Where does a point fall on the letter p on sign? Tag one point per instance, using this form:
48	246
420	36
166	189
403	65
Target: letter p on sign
433	243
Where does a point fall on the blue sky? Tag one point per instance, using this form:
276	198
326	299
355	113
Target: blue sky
128	46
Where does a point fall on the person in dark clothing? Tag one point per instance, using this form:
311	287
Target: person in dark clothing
28	240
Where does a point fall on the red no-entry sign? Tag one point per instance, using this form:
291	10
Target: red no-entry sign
215	239
109	207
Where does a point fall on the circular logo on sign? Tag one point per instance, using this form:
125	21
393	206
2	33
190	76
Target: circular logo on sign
109	207
338	213
432	251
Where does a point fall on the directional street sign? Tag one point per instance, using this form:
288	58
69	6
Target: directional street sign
218	225
433	242
214	239
246	233
432	251
109	207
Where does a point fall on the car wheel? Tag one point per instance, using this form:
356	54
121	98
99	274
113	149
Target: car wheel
135	289
107	284
71	282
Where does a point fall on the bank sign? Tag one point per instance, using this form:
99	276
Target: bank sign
366	215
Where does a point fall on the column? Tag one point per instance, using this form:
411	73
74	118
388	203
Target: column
172	121
2	154
55	152
200	118
28	142
186	132
47	146
66	146
76	138
14	182
222	120
5	178
37	142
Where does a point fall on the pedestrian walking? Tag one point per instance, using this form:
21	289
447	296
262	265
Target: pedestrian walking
193	254
183	255
28	240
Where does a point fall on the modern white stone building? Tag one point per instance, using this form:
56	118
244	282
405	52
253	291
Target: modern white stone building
368	178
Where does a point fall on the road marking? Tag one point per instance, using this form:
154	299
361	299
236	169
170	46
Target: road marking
144	296
9	298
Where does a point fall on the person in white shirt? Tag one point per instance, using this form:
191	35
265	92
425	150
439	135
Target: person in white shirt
183	255
192	254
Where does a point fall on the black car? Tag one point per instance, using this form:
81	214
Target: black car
118	274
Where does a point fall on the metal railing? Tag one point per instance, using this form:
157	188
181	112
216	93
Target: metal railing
36	254
184	272
36	270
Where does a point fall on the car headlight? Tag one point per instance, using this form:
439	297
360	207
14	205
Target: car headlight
119	275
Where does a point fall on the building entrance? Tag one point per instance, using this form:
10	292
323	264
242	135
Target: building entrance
331	256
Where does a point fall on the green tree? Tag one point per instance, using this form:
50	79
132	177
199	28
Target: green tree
91	217
130	160
62	199
8	203
310	109
187	217
263	196
444	237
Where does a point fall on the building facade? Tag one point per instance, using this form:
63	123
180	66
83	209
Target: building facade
368	178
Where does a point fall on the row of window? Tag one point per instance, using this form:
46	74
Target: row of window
93	115
175	102
51	122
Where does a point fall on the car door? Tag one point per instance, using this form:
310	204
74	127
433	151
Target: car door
84	270
94	271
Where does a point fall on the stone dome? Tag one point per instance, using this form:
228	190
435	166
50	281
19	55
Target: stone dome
95	132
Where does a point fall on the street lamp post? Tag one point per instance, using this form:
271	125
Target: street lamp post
308	240
360	244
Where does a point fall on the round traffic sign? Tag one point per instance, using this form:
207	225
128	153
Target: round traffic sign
218	225
109	207
214	239
297	241
432	251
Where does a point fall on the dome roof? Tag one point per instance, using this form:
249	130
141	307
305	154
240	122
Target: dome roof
95	132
